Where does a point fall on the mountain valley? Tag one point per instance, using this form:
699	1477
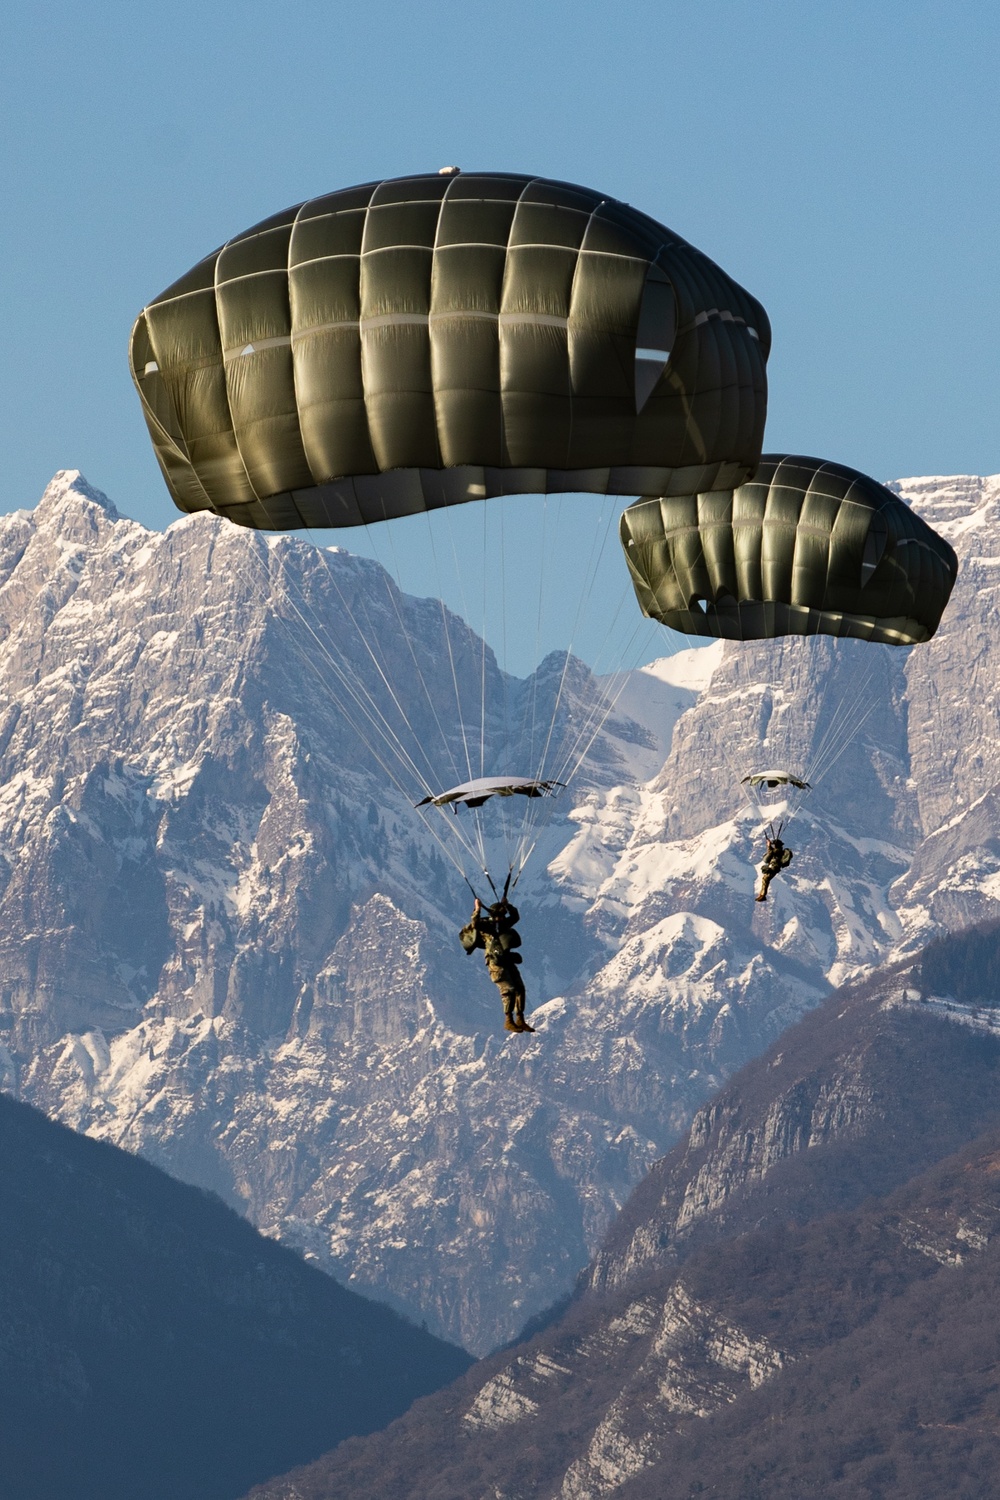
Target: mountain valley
229	945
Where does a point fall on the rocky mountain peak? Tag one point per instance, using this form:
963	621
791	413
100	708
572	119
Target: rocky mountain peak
228	941
65	489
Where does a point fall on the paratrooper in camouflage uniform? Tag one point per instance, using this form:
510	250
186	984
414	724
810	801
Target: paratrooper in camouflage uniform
776	859
498	936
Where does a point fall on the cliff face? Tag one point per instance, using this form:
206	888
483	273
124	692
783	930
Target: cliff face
227	942
793	1301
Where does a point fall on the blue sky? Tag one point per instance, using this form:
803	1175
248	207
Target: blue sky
838	158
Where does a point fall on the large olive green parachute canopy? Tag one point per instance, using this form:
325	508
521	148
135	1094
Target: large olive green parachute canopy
804	548
429	340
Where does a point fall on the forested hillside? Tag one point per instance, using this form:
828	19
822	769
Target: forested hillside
797	1300
153	1344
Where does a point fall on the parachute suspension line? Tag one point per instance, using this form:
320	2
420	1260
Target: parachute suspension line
356	690
525	738
459	706
446	630
836	738
743	689
526	728
427	780
840	730
492	887
501	516
643	632
602	708
593	564
846	722
482	674
746	688
449	851
394	599
532	813
567	655
738	768
636	647
735	769
476	826
753	692
847	742
598	545
476	823
533	696
371	713
576	747
604	702
358	693
507	815
849	714
345	677
266	596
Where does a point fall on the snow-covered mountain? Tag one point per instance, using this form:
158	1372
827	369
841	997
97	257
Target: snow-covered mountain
227	942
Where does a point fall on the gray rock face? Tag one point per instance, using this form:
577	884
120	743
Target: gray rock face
227	941
851	1165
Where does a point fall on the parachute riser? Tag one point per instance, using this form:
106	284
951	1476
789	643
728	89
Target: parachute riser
500	896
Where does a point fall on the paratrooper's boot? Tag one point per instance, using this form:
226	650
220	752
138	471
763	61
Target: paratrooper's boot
521	1023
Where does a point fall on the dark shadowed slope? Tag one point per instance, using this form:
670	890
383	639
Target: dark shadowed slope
153	1344
889	1380
869	1089
797	1300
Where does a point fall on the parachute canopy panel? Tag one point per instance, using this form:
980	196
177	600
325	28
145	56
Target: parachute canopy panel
803	548
430	340
475	793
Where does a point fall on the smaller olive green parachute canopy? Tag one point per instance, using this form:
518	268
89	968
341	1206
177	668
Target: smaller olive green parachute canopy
803	548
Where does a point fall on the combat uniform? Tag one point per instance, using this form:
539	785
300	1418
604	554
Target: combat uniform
498	937
776	859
